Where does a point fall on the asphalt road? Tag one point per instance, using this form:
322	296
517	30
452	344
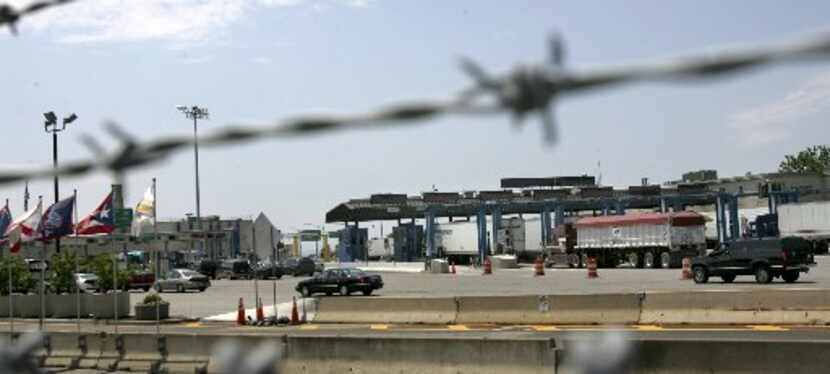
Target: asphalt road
223	295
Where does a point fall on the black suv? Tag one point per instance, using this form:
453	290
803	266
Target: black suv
766	259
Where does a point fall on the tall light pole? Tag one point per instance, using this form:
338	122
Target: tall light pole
196	113
50	125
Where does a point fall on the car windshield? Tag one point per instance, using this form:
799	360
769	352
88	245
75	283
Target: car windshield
354	272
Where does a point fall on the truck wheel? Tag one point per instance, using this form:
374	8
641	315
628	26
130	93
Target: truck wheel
665	260
573	260
728	278
762	274
700	275
648	260
790	276
634	260
583	260
305	291
344	291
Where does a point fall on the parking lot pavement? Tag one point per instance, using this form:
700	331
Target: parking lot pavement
223	296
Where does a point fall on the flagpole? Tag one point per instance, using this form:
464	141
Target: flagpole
75	259
156	256
42	273
11	283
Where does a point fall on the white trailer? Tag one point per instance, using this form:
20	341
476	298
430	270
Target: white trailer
810	221
380	248
457	240
641	239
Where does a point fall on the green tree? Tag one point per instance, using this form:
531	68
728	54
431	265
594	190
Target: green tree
815	160
101	266
63	268
21	278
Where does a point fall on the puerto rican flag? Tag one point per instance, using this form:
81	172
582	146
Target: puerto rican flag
23	229
100	221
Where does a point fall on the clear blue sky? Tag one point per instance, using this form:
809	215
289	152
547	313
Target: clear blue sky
261	60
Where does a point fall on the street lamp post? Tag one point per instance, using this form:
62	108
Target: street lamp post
50	125
196	113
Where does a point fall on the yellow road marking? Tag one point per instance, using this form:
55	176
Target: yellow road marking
767	328
545	328
193	324
458	328
379	327
649	328
309	327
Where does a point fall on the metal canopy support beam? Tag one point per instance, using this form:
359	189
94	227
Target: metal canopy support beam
559	218
481	223
720	218
495	231
429	216
619	208
734	223
544	220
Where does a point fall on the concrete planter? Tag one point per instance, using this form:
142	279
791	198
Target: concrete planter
147	312
28	306
101	305
65	305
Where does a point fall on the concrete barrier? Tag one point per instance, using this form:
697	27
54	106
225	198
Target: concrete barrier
663	356
756	307
550	309
418	354
386	310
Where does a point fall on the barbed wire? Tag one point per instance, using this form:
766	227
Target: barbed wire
10	16
527	89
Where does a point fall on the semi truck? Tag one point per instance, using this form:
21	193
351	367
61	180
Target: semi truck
639	239
810	221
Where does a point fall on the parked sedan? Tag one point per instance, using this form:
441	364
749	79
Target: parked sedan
87	282
182	280
342	281
265	270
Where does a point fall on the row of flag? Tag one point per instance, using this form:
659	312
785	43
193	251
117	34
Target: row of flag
56	221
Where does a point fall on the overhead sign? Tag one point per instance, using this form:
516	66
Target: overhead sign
123	218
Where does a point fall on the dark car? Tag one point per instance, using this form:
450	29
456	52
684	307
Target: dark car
299	266
342	281
234	269
766	259
267	270
208	268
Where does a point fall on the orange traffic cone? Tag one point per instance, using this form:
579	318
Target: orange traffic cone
592	268
488	267
240	314
538	267
295	318
260	314
452	267
686	274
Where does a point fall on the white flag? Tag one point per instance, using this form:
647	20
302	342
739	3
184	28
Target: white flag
24	228
144	212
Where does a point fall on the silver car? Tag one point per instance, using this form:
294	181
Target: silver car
87	282
181	280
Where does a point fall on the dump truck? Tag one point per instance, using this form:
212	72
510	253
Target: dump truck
640	239
810	221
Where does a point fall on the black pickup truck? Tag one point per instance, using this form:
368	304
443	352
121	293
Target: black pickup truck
766	259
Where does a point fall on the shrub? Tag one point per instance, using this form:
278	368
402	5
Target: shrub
101	266
152	299
63	267
21	277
